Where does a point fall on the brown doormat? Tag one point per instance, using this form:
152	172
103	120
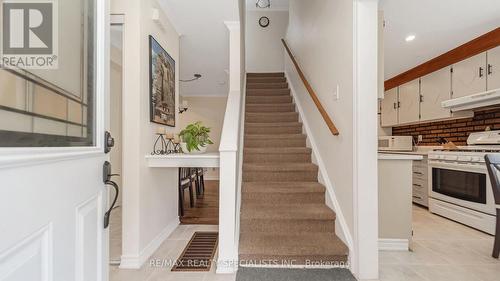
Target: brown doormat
199	253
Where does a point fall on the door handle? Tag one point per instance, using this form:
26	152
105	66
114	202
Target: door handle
107	181
490	69
481	72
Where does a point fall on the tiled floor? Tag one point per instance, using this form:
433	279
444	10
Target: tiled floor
443	250
170	250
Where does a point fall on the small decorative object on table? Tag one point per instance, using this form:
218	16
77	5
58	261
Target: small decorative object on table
165	143
195	138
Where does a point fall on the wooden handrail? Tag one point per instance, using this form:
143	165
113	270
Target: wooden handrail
313	95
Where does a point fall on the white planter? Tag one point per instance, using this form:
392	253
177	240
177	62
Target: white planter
202	150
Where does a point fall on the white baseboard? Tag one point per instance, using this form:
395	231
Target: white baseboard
226	267
136	261
393	244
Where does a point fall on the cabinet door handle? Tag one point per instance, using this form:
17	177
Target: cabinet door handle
481	70
421	98
490	69
417	197
417	185
399	104
395	106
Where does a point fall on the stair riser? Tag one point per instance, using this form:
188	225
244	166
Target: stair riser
273	130
287	226
266	80
264	100
275	108
267	86
271	74
276	143
264	118
277	158
264	92
285	198
263	176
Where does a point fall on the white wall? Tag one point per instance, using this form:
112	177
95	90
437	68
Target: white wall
320	35
264	50
210	111
150	195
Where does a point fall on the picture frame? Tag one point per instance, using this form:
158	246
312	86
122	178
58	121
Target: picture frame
162	95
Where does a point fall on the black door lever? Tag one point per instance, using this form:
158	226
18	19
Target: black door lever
107	181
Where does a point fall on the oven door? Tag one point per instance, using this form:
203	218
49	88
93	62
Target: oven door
462	184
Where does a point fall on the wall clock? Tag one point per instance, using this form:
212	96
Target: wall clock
264	22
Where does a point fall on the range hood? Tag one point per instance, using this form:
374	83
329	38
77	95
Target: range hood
483	99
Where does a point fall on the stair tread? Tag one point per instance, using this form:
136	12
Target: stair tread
266	74
302	244
277	150
272	114
274	124
279	167
274	136
286	212
282	187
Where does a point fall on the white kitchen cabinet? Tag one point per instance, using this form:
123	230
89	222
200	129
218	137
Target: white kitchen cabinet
493	68
469	76
389	108
434	89
409	102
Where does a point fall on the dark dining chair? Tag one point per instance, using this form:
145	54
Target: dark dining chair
185	182
493	165
200	183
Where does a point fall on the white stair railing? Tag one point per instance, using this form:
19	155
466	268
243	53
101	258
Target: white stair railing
229	159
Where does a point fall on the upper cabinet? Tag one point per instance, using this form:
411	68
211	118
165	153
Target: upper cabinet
409	102
469	76
493	68
434	89
389	108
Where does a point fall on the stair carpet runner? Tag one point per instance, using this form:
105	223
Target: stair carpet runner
284	218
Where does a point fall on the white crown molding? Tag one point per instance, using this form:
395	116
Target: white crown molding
232	25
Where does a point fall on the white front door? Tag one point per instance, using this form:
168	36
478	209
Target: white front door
52	123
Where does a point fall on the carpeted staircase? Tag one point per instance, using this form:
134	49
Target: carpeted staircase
284	218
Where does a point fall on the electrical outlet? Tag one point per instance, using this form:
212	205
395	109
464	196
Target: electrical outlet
420	138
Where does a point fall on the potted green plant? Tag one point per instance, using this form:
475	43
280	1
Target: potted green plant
195	138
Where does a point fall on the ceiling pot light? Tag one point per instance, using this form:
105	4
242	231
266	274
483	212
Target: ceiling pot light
410	38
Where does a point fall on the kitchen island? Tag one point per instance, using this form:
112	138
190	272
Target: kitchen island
395	200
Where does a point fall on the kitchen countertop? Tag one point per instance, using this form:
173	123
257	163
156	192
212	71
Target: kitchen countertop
421	150
399	156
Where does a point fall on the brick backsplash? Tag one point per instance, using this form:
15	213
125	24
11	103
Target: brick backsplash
456	131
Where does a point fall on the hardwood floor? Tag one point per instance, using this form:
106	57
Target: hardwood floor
206	209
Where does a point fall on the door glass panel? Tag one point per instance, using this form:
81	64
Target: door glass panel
460	184
54	107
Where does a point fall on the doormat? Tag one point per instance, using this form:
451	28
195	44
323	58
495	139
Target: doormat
199	252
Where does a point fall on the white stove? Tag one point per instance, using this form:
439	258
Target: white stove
459	185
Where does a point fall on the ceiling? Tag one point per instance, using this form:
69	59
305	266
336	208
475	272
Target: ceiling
276	5
439	26
204	43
